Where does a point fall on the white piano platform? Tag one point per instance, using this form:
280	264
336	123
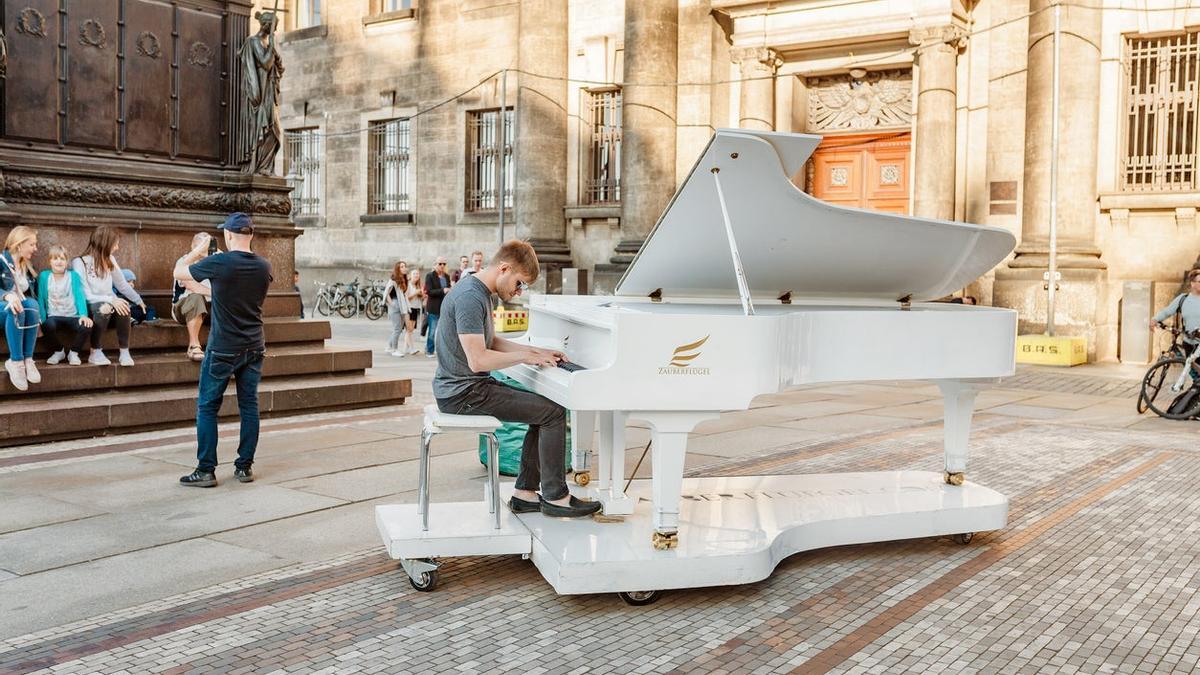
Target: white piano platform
733	530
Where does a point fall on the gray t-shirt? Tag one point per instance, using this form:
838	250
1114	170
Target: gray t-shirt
467	310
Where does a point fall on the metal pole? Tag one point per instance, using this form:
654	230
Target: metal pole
739	272
1052	281
503	149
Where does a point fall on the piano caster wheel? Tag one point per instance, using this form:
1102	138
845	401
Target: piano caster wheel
664	542
582	478
956	478
639	598
425	581
964	538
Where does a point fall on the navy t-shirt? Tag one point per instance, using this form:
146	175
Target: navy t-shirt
239	285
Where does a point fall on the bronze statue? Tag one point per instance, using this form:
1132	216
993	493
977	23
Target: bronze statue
261	70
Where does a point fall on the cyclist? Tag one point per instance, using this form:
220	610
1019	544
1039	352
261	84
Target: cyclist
1188	306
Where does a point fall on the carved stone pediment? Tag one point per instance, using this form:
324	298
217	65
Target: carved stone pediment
860	100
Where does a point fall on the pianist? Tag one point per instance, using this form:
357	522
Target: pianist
467	350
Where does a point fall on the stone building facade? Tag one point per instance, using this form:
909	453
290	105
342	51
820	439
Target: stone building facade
938	108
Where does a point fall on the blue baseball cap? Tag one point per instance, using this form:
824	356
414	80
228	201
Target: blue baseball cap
129	275
238	222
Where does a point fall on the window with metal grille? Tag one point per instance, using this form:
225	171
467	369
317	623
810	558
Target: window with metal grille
388	181
484	153
602	178
1162	74
302	166
308	13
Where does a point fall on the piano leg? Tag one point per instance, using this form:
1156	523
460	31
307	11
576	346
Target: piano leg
959	400
670	434
611	464
583	425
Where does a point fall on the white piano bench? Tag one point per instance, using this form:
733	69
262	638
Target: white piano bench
437	422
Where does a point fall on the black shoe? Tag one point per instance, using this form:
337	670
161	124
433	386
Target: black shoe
245	475
577	509
199	478
518	505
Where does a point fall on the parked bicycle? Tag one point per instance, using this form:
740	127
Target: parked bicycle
347	300
1171	387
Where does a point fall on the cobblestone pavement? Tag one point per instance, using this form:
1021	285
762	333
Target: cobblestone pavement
1095	572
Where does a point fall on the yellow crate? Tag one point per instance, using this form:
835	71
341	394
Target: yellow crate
510	320
1051	351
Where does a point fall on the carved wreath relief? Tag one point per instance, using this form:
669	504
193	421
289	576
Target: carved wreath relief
92	33
200	54
31	22
148	45
861	100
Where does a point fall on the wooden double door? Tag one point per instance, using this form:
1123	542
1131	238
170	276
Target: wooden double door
868	171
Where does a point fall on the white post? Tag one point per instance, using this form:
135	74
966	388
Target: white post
1052	282
503	155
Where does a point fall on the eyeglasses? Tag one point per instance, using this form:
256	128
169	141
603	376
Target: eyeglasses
522	286
440	264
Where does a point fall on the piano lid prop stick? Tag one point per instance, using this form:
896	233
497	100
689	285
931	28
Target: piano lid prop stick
743	287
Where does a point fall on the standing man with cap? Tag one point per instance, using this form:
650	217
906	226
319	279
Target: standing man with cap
240	279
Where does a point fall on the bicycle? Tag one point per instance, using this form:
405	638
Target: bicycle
1169	378
375	305
347	304
323	302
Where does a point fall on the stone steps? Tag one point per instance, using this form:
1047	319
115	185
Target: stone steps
300	375
166	334
164	368
44	417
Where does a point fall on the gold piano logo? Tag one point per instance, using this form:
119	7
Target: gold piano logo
682	358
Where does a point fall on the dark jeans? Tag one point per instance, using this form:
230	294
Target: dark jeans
55	327
543	457
215	371
103	321
431	326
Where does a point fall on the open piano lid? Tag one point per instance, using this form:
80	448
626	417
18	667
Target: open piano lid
790	242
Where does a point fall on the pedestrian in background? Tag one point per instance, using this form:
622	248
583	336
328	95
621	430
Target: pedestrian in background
437	282
415	294
236	345
395	298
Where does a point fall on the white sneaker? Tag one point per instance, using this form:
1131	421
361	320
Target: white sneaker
31	372
16	374
73	359
97	358
398	353
125	359
56	358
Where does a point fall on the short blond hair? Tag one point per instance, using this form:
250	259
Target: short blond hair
520	255
57	251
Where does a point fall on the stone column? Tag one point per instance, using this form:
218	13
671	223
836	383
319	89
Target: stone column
648	117
757	102
934	172
1079	301
540	161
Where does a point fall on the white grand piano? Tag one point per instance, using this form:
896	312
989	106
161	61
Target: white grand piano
748	286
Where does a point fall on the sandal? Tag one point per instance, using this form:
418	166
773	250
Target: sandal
195	353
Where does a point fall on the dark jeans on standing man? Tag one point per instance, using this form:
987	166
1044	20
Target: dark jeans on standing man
55	327
215	371
431	328
544	454
101	322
